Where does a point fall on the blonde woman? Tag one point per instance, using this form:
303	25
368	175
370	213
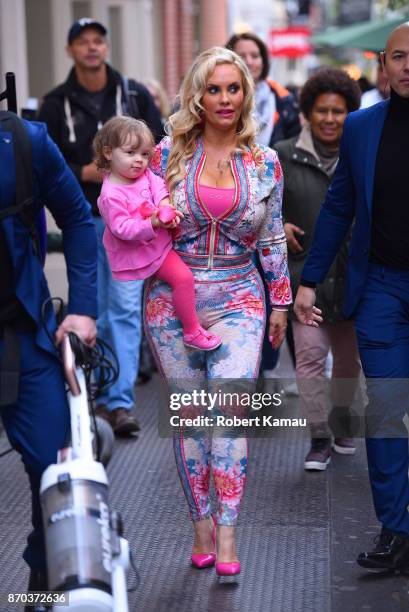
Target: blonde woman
229	191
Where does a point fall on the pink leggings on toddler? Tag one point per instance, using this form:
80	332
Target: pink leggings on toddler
176	273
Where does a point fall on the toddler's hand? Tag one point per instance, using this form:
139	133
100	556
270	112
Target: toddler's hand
157	222
166	214
175	221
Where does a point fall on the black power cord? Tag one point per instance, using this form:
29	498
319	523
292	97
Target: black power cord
101	370
99	363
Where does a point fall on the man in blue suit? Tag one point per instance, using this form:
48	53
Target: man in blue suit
36	419
371	187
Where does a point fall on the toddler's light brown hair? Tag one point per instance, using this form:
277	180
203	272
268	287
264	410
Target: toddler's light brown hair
115	133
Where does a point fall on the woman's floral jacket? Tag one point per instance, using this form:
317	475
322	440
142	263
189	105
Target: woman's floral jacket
253	222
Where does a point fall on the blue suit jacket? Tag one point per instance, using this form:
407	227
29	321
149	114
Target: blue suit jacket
56	187
349	197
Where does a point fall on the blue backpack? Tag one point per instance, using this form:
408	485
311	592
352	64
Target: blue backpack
33	219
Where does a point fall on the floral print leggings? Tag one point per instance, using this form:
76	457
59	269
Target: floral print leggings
230	303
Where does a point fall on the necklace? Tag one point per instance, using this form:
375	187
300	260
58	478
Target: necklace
218	168
223	164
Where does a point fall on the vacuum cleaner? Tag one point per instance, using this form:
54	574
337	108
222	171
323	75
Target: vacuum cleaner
87	555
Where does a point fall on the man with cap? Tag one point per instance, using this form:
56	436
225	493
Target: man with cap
74	111
370	188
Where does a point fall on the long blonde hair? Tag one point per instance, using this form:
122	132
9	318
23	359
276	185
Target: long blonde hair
186	124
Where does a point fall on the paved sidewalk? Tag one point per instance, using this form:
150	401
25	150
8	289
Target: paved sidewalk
298	536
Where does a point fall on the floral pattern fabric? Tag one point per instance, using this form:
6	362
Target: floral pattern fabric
226	458
253	222
230	302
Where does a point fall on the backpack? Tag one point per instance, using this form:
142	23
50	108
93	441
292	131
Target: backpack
35	223
33	219
131	97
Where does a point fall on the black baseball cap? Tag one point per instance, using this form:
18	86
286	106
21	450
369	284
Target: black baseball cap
80	25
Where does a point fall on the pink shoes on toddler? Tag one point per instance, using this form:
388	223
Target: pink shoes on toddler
202	339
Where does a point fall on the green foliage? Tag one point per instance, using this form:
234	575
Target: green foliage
397	4
393	5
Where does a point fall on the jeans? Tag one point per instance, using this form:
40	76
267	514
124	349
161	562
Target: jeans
119	325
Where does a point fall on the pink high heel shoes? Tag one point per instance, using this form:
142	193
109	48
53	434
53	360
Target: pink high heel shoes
229	568
202	560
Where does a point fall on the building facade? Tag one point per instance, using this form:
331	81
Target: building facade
148	38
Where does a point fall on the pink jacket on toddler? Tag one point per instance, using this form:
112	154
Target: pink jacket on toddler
134	248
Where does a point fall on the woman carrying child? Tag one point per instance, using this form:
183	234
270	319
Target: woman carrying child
229	190
134	204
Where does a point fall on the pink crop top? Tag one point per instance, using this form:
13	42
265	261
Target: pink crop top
216	199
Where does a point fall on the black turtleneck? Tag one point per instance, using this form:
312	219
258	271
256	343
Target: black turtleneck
390	212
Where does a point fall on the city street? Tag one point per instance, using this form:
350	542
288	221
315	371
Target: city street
298	534
180	144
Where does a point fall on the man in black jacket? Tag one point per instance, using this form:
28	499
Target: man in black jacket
74	111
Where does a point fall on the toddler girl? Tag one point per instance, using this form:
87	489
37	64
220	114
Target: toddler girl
134	204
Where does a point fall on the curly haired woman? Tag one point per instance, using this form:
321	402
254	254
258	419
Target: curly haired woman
229	191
